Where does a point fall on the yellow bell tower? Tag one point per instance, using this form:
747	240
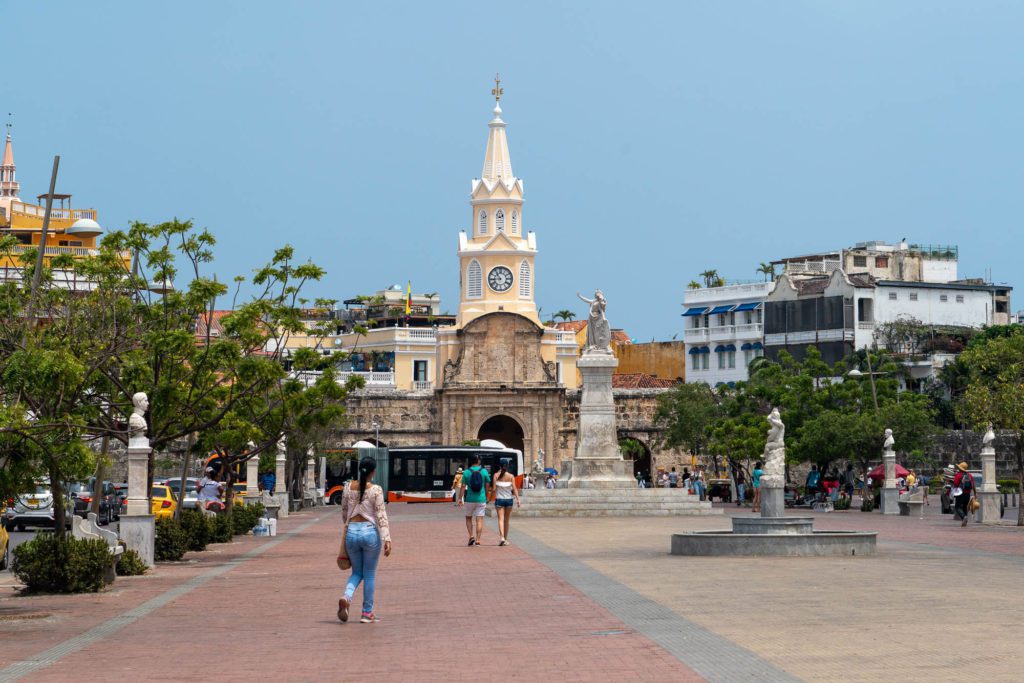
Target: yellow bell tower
496	256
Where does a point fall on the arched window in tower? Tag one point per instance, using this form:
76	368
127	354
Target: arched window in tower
515	222
499	221
482	224
474	280
524	279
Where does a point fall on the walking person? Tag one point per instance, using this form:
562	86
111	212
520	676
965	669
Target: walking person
366	526
673	479
849	478
473	494
504	492
456	485
755	478
964	491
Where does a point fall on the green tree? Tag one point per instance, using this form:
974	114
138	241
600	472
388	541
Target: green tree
565	314
768	270
710	277
995	392
693	284
687	413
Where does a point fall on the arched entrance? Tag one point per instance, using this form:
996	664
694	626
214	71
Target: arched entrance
504	429
637	451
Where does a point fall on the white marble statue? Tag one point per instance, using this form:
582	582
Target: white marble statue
538	464
599	334
990	436
775	451
137	426
890	443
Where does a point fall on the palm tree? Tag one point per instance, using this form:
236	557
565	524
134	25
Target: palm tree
565	315
693	285
710	276
768	270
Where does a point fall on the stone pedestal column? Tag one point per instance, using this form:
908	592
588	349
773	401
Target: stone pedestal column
281	486
773	501
137	525
598	462
311	476
890	494
252	475
988	495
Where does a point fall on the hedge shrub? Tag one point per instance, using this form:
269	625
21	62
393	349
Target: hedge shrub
61	565
197	528
171	541
245	517
220	529
1007	485
130	564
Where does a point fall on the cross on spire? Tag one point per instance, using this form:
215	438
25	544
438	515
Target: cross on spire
497	90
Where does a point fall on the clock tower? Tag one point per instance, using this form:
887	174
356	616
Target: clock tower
496	254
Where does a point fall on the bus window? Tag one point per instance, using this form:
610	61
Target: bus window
410	467
454	464
438	466
421	467
396	465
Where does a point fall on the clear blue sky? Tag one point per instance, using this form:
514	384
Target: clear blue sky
655	140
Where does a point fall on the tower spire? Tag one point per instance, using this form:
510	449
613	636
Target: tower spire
497	162
9	186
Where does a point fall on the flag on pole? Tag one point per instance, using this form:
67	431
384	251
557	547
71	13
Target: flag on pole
408	298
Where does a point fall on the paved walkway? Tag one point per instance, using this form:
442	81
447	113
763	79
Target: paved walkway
573	599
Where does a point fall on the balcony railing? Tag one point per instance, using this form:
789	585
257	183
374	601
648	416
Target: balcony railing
379	379
55	213
57	251
696	334
727	293
823	267
749	329
862	325
566	338
422	385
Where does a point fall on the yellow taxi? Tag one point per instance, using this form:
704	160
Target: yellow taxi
4	557
164	501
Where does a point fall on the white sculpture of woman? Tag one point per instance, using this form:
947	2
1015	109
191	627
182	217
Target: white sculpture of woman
137	426
775	451
538	464
599	334
990	436
890	442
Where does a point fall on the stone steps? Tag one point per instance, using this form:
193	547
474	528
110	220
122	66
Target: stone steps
606	512
611	503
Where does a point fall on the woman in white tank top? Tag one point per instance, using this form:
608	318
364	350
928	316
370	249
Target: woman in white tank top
505	491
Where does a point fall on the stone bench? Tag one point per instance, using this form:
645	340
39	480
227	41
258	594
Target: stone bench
911	504
88	528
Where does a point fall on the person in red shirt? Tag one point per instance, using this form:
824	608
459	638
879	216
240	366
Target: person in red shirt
964	483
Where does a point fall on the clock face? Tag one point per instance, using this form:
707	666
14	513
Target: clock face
499	279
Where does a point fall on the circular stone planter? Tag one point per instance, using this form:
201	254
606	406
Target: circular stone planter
784	543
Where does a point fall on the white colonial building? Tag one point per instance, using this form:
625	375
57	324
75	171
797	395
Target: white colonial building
723	331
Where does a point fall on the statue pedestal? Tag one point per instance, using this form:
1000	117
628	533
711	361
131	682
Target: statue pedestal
281	485
252	485
773	501
988	470
598	462
989	496
139	534
890	494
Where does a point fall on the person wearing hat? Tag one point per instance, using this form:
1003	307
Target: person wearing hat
456	485
210	491
963	490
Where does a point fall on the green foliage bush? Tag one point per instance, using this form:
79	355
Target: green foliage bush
130	564
1007	485
61	565
220	529
867	505
842	503
245	517
197	528
171	541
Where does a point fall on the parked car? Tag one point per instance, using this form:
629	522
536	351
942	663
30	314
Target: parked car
190	499
35	509
163	501
83	494
121	488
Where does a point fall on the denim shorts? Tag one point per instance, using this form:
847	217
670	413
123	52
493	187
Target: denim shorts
502	502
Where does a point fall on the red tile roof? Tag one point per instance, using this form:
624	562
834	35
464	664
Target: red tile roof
640	380
215	327
571	325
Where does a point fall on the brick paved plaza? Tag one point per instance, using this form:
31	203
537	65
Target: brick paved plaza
572	599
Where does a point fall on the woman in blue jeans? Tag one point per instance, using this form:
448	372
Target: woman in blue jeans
366	522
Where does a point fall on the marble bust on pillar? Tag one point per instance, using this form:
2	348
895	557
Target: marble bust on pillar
137	427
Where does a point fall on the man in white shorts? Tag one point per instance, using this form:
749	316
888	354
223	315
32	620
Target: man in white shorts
473	494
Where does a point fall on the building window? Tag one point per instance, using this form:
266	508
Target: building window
860	261
721	360
748	354
481	224
705	361
959	298
515	222
881	262
524	279
419	370
892	296
913	296
474	280
732	359
943	298
499	221
696	361
865	310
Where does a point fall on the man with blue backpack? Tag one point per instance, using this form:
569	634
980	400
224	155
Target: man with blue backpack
473	494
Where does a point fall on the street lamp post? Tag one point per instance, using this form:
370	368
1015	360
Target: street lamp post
376	433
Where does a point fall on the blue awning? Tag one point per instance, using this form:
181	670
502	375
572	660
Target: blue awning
757	345
746	347
694	351
720	348
699	349
722	309
695	311
749	307
730	347
705	349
